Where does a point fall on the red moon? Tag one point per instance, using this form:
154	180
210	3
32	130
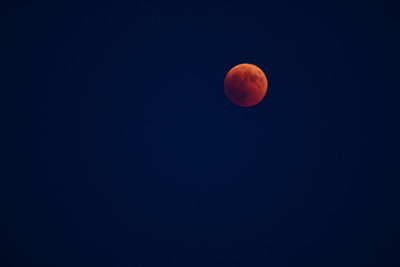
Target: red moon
245	85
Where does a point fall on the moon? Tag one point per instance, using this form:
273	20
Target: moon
245	85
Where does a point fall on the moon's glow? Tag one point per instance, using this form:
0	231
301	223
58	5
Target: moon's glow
245	85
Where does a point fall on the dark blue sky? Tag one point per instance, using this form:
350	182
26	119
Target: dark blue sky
128	153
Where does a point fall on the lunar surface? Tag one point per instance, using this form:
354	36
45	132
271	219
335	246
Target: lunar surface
245	85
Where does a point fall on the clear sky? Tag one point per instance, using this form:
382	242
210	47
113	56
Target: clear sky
128	153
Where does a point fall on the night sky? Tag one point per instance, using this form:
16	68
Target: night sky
128	153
